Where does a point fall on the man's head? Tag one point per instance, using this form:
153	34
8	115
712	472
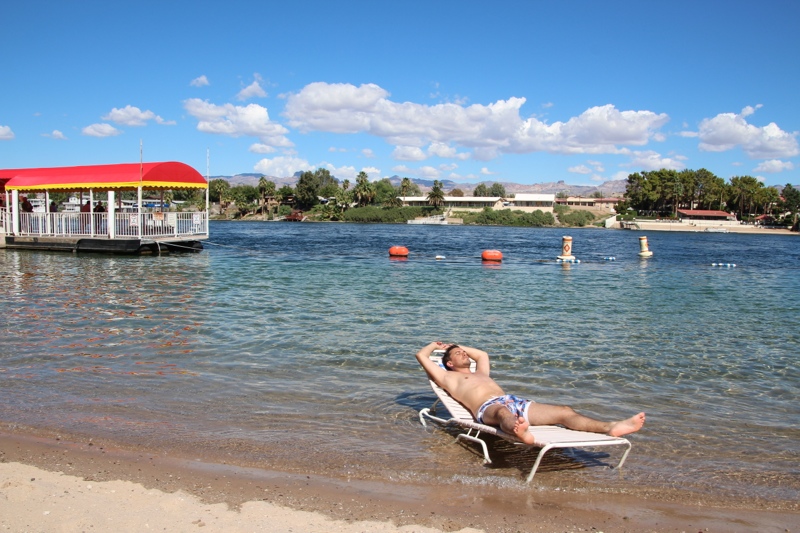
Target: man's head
455	357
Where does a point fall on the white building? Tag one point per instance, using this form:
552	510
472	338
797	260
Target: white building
522	202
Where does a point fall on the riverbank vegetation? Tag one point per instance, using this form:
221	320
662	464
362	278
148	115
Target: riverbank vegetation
322	197
661	193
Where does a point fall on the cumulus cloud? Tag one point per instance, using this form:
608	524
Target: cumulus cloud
253	90
489	130
366	152
237	121
580	169
55	135
486	172
259	148
773	166
5	133
409	153
100	130
133	116
729	130
282	166
649	160
200	81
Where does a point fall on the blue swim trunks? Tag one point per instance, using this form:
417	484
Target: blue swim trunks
517	406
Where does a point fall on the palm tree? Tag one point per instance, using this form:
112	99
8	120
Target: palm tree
405	185
364	191
436	195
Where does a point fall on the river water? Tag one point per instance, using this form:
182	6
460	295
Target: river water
291	347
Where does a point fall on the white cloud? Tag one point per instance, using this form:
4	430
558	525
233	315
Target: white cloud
597	165
409	153
488	130
133	116
426	172
774	165
251	91
281	167
258	148
580	169
5	133
649	160
439	149
55	135
366	152
486	172
200	81
374	173
100	130
728	130
236	121
689	134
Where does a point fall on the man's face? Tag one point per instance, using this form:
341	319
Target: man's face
459	358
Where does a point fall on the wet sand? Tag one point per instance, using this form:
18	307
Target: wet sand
49	484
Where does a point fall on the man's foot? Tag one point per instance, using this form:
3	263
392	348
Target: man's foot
520	430
624	427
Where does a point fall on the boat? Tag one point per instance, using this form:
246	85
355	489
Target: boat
716	230
440	220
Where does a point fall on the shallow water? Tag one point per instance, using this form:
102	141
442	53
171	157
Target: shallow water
292	346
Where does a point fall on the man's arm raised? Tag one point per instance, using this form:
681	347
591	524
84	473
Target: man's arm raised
480	357
424	358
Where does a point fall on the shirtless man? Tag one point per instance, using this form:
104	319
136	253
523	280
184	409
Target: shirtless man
480	394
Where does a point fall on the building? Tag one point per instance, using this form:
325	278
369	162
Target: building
522	202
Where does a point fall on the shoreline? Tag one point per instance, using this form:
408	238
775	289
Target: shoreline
148	488
689	228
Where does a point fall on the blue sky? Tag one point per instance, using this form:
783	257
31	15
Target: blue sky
524	92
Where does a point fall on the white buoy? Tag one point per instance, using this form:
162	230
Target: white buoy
644	250
439	257
566	249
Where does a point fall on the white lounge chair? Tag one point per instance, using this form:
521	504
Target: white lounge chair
547	437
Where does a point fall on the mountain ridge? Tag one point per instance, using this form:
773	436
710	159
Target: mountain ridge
609	188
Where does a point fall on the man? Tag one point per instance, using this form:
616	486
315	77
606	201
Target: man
491	406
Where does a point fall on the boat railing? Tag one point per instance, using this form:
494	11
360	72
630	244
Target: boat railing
126	224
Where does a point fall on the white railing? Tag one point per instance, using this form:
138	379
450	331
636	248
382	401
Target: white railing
126	225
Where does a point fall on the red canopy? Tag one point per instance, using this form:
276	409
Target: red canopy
170	175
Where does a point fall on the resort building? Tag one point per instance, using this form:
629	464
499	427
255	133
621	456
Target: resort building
522	202
605	204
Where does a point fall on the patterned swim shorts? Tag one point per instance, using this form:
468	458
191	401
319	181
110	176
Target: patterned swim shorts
517	406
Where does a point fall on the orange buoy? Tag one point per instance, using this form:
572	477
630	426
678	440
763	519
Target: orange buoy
492	255
398	251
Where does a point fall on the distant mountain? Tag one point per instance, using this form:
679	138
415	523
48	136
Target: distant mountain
608	188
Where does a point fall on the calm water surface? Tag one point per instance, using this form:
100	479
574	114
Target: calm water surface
291	346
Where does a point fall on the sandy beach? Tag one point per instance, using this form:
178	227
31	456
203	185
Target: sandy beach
687	226
48	484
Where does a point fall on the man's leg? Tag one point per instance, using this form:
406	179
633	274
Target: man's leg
499	415
542	414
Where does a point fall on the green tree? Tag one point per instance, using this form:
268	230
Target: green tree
363	192
457	192
480	190
266	188
405	187
436	194
216	188
497	189
309	187
384	192
791	203
743	191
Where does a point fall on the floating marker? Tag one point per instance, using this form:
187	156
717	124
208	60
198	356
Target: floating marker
573	260
644	250
440	257
609	259
398	251
492	255
566	249
726	265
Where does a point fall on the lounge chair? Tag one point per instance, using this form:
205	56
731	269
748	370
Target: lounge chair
547	437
